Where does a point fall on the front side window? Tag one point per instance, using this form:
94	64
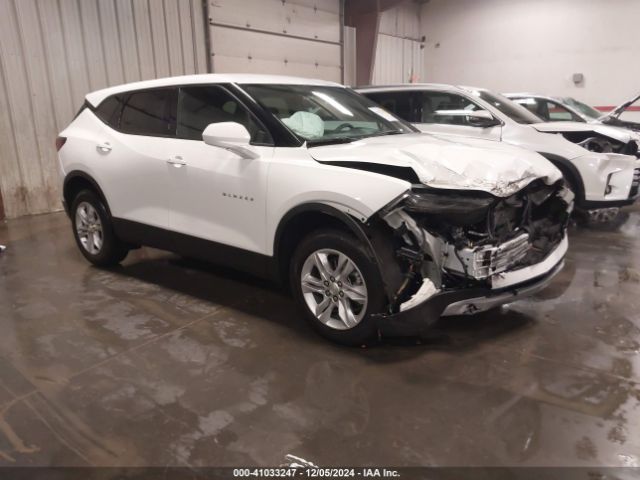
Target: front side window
435	106
202	105
321	114
150	112
515	112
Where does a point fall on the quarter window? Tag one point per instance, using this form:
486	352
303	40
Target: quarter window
201	106
150	112
109	110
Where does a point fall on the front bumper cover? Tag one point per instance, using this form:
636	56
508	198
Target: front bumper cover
417	320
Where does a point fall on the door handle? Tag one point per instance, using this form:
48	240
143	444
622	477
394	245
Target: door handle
177	161
104	147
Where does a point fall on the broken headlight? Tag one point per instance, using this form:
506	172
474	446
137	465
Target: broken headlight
460	207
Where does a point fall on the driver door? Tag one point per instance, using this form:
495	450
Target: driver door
430	120
217	195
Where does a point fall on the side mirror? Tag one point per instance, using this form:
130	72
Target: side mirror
231	136
476	118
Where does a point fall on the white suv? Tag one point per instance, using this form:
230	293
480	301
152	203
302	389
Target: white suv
377	228
601	181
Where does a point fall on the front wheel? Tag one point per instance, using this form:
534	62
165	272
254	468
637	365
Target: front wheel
93	231
338	287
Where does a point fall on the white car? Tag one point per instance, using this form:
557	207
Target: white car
562	109
600	180
377	228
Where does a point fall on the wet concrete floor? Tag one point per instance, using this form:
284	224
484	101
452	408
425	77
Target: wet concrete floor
168	362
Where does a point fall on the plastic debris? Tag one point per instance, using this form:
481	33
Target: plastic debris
293	461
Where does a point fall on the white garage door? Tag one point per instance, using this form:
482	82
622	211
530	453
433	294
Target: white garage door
293	37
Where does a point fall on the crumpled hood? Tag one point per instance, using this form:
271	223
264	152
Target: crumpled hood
464	163
561	127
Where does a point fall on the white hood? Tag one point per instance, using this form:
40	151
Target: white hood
615	133
466	163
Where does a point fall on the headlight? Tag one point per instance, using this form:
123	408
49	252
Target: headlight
458	207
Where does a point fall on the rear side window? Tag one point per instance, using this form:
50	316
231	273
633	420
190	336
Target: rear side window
200	106
150	112
109	110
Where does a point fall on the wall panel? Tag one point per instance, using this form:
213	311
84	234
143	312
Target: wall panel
54	52
536	46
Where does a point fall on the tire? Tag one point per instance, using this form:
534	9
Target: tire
350	320
99	245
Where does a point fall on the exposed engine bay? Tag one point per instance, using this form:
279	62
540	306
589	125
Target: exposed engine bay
599	143
453	239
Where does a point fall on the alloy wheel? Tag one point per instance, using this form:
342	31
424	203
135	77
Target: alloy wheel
89	228
334	289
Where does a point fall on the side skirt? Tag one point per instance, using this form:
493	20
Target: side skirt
256	264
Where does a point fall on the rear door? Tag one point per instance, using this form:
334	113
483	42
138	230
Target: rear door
131	164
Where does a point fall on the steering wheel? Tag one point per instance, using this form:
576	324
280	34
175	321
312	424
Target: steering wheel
344	126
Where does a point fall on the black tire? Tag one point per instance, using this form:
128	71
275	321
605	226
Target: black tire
365	332
112	251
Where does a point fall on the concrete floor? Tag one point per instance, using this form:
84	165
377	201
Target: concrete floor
167	362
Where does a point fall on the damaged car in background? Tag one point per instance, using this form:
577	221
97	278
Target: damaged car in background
582	124
598	162
376	228
557	109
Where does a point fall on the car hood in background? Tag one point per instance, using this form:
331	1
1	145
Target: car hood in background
464	163
615	133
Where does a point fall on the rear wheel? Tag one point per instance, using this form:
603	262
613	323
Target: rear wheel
93	231
337	286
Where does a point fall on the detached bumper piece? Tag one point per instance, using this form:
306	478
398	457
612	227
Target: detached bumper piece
471	306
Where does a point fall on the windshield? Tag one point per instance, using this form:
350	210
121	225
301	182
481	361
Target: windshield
515	112
323	115
582	108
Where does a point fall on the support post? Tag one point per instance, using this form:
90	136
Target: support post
364	15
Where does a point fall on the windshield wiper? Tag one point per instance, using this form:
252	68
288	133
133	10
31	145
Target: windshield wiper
330	141
382	134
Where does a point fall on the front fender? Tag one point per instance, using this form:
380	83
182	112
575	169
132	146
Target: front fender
294	182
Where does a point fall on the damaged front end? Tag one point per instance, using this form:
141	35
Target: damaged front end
450	252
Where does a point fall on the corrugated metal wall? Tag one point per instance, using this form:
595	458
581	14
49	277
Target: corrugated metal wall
296	37
399	53
53	52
